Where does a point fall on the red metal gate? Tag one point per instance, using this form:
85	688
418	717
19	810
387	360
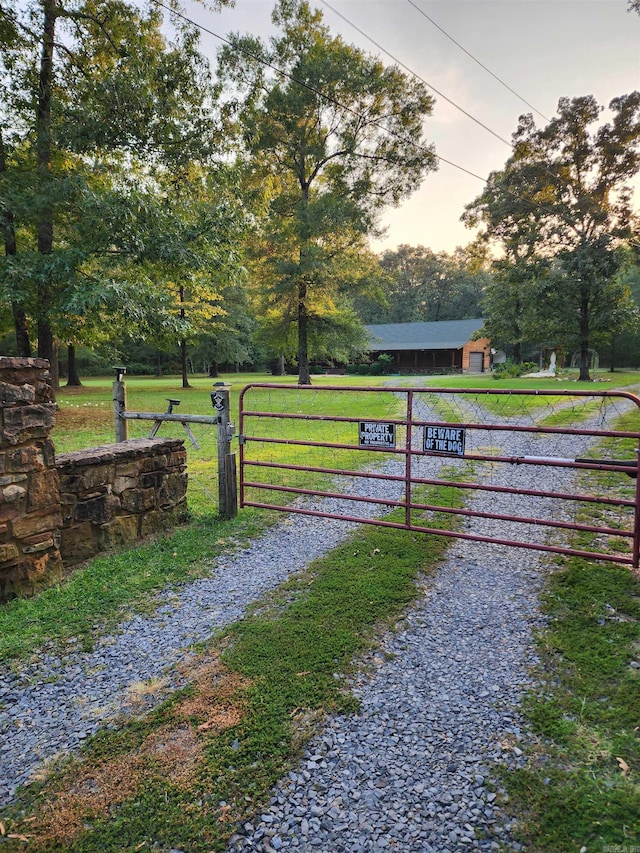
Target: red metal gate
566	462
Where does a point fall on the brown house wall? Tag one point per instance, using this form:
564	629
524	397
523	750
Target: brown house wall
482	345
440	360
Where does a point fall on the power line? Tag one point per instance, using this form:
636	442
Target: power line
416	75
476	60
310	88
335	102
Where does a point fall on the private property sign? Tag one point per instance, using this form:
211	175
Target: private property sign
448	440
376	434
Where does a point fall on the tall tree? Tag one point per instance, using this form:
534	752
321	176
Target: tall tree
564	195
94	86
339	136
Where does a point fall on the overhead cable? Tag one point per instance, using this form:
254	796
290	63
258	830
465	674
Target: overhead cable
308	87
329	99
476	60
416	75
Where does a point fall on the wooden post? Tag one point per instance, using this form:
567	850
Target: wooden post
227	487
120	405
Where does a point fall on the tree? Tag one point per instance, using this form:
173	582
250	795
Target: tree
336	136
94	88
424	286
563	201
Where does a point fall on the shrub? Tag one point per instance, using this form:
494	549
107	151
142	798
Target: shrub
510	369
386	363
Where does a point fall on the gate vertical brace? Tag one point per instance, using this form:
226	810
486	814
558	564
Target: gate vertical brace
241	445
636	522
408	459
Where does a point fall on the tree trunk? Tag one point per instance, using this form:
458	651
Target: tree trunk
46	344
73	380
183	343
213	370
48	348
612	366
183	364
584	334
23	344
304	376
158	363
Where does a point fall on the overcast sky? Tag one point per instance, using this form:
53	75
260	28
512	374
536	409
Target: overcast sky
542	49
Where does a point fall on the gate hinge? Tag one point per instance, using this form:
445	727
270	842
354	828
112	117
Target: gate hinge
241	439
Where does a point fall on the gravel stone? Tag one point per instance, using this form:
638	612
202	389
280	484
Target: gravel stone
439	701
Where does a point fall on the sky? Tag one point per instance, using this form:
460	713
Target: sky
541	49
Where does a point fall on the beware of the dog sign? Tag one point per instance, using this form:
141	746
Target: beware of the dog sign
375	434
448	440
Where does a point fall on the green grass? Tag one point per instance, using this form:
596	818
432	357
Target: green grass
85	418
581	787
100	594
284	667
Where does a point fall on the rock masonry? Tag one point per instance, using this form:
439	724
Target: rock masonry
57	512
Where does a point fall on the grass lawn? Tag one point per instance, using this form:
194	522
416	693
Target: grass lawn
182	776
581	788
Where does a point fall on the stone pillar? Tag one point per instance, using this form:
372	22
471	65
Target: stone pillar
30	518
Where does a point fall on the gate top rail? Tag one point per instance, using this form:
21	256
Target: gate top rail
434	389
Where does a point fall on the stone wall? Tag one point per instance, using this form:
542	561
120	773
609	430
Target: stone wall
110	496
56	512
30	517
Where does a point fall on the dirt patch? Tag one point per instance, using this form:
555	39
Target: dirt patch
93	792
172	752
75	417
176	750
217	703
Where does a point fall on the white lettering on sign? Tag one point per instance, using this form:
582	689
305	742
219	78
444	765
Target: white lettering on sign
376	434
449	440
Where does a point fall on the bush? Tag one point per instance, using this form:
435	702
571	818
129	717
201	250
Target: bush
386	363
510	369
364	370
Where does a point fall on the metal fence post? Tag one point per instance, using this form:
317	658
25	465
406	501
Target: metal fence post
120	405
227	483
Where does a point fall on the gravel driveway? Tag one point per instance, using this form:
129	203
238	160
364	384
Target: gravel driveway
412	771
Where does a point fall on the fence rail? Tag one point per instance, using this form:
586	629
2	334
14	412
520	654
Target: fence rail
328	450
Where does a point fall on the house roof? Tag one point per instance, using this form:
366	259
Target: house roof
446	334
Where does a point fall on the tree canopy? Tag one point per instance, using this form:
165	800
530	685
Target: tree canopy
422	285
336	136
103	116
560	210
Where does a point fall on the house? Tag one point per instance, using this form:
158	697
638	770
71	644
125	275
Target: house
443	347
